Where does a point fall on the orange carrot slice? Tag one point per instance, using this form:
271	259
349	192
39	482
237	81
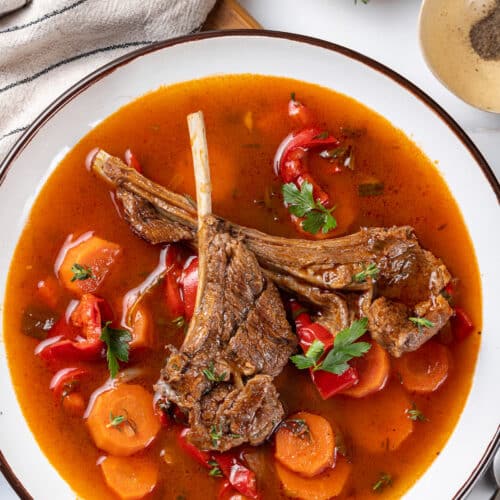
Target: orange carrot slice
373	372
425	369
305	444
49	292
142	330
95	256
122	420
130	478
378	422
322	487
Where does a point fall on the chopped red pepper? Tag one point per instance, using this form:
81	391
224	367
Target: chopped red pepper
202	457
328	384
174	263
241	478
132	161
461	324
189	286
63	381
80	338
300	112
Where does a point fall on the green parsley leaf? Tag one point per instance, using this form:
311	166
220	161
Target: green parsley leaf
415	414
345	348
214	469
370	271
115	421
301	203
179	322
117	346
383	481
211	375
215	435
314	352
81	273
422	322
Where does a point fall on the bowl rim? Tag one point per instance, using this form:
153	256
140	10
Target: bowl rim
108	68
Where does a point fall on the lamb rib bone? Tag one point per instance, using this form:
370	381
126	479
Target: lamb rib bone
239	335
408	273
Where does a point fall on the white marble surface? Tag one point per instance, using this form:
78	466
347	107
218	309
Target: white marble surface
385	30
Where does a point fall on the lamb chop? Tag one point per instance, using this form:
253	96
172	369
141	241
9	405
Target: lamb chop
409	279
238	339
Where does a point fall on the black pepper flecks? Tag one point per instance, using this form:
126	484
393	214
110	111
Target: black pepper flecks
485	35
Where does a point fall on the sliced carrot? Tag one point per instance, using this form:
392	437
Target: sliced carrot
130	478
96	256
49	292
322	487
379	422
122	420
305	443
373	372
74	404
142	330
425	369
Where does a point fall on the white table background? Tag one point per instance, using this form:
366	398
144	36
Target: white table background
387	31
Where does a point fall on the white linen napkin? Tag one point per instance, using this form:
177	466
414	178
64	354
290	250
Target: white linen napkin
51	44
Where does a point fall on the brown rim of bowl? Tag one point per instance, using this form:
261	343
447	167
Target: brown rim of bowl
95	76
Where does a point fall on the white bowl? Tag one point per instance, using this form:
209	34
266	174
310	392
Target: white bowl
464	169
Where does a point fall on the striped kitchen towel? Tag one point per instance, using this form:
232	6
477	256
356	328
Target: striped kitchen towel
51	44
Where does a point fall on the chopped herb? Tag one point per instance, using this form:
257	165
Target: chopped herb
415	414
371	189
352	132
344	349
215	435
214	469
297	426
370	271
322	135
342	154
115	421
117	346
292	96
383	481
81	273
235	436
422	322
302	204
179	322
211	375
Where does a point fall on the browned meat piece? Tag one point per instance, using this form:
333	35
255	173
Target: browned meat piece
315	271
390	327
238	340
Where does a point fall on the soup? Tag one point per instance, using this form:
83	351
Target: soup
382	440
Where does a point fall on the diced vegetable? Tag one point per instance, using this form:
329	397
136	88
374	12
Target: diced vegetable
74	404
132	161
329	384
305	444
122	420
461	324
379	422
371	189
85	265
373	371
189	286
202	457
67	350
49	292
88	317
130	478
425	369
65	381
142	329
299	112
242	479
37	323
322	487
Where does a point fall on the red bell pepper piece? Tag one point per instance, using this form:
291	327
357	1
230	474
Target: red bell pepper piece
80	338
189	286
62	382
174	263
202	457
461	324
300	112
328	384
241	478
132	161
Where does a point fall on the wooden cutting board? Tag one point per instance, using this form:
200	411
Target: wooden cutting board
229	14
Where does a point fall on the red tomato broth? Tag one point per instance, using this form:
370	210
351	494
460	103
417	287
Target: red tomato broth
241	164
